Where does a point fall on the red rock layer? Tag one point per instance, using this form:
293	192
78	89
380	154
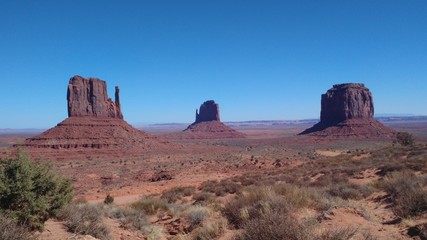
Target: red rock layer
207	130
90	132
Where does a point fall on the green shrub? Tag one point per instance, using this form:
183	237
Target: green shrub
31	192
150	205
85	219
9	230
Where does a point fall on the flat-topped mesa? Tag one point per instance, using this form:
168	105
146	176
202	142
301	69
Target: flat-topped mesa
347	111
209	111
87	97
346	101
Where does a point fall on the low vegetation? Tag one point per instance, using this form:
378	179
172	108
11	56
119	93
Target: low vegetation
85	219
30	191
407	192
286	203
9	230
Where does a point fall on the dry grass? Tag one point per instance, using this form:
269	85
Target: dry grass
177	193
150	205
85	219
9	230
406	192
225	186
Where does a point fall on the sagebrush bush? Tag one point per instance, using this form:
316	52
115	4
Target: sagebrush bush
85	219
9	230
252	203
195	215
30	191
150	205
405	139
346	233
220	188
174	194
129	218
346	190
297	196
275	225
407	193
210	230
203	197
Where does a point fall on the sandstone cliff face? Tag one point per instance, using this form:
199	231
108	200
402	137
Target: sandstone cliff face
209	111
87	97
347	111
346	101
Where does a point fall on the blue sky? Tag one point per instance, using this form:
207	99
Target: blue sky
258	59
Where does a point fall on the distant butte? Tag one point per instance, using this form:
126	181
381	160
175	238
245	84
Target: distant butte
347	110
208	125
209	111
94	122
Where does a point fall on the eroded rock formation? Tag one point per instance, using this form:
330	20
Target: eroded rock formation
95	123
208	125
346	101
87	97
347	110
209	111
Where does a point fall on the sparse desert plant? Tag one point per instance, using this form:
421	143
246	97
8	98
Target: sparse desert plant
253	202
108	199
275	225
30	191
176	193
85	219
346	190
405	139
210	230
150	205
195	215
298	197
345	233
129	218
220	188
407	193
203	197
9	230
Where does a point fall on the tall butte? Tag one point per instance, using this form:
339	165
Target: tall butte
347	110
95	122
208	124
89	98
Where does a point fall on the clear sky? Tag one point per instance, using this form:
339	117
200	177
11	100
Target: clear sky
259	60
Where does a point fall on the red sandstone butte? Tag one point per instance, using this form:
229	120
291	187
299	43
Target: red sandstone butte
94	122
347	110
208	125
